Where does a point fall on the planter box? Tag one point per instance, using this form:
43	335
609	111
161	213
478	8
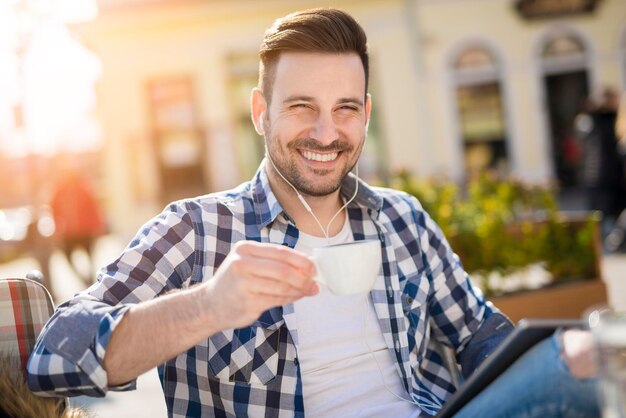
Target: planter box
567	300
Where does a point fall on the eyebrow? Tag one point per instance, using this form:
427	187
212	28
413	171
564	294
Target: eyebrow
292	99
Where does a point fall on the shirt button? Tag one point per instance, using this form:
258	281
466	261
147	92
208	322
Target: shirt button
390	291
296	362
409	300
397	344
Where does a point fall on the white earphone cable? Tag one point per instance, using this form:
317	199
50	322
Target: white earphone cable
325	232
306	205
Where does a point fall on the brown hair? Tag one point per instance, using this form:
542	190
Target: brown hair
17	400
313	30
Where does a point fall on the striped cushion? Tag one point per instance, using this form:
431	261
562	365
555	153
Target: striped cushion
25	306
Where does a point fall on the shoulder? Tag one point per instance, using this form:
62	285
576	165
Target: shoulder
399	203
404	211
227	202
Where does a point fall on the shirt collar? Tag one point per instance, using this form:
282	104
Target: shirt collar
267	207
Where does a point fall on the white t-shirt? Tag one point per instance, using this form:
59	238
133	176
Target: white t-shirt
340	378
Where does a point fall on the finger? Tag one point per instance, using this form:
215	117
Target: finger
278	271
269	287
278	252
275	288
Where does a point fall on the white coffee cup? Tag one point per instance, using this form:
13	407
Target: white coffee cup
349	268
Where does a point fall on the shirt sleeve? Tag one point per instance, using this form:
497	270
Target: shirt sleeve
492	331
68	357
68	361
458	309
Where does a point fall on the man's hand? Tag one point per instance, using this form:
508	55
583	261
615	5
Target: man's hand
577	353
255	277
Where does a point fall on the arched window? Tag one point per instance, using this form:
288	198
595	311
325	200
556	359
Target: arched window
480	106
563	52
243	70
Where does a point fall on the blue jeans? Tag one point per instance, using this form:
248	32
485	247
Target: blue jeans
538	385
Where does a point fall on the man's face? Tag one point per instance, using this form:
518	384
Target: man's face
315	125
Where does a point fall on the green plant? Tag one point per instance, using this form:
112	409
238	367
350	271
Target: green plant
504	225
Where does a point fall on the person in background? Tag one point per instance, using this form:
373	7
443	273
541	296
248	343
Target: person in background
218	291
77	217
620	124
602	167
616	239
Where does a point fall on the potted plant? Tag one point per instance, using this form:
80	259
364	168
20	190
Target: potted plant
529	259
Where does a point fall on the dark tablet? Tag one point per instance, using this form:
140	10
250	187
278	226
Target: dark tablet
527	333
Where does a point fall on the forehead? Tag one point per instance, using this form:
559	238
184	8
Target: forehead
315	74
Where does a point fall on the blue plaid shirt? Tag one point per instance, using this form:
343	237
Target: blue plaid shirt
422	294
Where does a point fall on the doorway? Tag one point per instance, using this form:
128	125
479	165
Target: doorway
566	93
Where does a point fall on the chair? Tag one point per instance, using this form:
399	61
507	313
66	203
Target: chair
25	307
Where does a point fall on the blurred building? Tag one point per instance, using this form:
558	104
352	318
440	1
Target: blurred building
458	86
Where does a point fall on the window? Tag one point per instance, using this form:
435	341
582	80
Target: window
563	52
565	76
480	107
177	137
249	148
373	166
563	45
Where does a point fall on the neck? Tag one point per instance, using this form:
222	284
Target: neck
323	207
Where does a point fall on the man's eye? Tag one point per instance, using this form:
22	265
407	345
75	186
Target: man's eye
298	106
350	108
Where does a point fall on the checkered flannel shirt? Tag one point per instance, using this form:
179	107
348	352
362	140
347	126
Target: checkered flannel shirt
422	293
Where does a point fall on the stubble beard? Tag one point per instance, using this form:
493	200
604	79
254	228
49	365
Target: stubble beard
289	168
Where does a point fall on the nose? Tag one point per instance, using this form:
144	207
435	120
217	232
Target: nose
324	129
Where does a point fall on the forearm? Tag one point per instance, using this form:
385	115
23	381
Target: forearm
89	347
155	331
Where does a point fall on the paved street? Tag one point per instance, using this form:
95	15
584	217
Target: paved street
147	401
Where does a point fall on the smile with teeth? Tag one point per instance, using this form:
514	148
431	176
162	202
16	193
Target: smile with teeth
320	157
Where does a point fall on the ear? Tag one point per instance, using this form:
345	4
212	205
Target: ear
368	110
258	107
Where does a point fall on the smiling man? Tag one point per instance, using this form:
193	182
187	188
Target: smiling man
315	123
218	291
